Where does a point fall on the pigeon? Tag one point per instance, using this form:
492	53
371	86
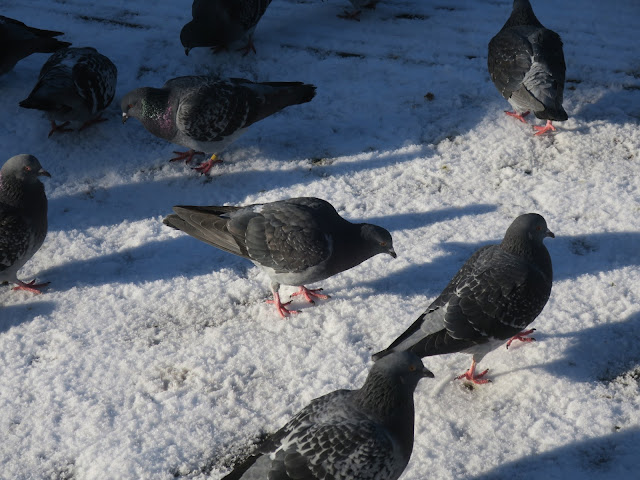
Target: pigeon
220	23
295	241
19	41
498	292
364	434
23	217
75	84
526	64
358	5
208	113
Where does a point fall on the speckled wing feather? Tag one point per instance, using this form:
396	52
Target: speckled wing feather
214	110
285	236
94	77
494	295
328	439
509	60
15	236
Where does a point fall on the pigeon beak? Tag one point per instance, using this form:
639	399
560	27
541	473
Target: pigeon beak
426	373
125	117
392	252
43	173
549	233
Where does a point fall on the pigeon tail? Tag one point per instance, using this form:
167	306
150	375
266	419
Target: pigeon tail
49	45
283	94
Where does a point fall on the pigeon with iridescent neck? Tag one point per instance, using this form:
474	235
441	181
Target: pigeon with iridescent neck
23	217
207	114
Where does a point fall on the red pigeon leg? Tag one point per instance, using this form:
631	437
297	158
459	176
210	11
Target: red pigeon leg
204	167
522	336
471	375
547	128
186	156
31	286
308	293
59	128
518	116
281	307
249	47
355	15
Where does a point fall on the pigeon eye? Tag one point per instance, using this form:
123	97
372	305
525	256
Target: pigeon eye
27	168
538	228
383	244
412	368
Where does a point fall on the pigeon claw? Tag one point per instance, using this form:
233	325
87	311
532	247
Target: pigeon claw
186	156
522	336
308	293
31	286
59	128
204	167
281	308
547	128
473	377
518	116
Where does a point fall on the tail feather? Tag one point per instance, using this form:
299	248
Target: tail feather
206	224
49	45
280	95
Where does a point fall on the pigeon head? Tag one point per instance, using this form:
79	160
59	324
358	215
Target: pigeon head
526	232
392	381
25	168
145	102
377	239
522	14
187	37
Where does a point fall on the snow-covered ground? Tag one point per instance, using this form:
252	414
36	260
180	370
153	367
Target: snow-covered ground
153	356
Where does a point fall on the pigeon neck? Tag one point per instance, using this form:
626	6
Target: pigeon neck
522	14
390	402
533	251
158	112
21	194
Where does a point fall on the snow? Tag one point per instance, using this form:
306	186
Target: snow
153	355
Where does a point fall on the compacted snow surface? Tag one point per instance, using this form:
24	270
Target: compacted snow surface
152	355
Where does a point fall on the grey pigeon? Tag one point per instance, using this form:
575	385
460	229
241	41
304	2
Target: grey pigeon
498	292
220	23
364	434
295	241
208	113
23	217
75	84
358	5
526	64
19	41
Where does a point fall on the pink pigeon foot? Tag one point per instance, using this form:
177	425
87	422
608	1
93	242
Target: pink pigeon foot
547	128
204	167
59	128
31	286
186	156
518	116
471	375
522	336
282	309
308	293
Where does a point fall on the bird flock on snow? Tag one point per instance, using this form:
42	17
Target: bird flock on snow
493	298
